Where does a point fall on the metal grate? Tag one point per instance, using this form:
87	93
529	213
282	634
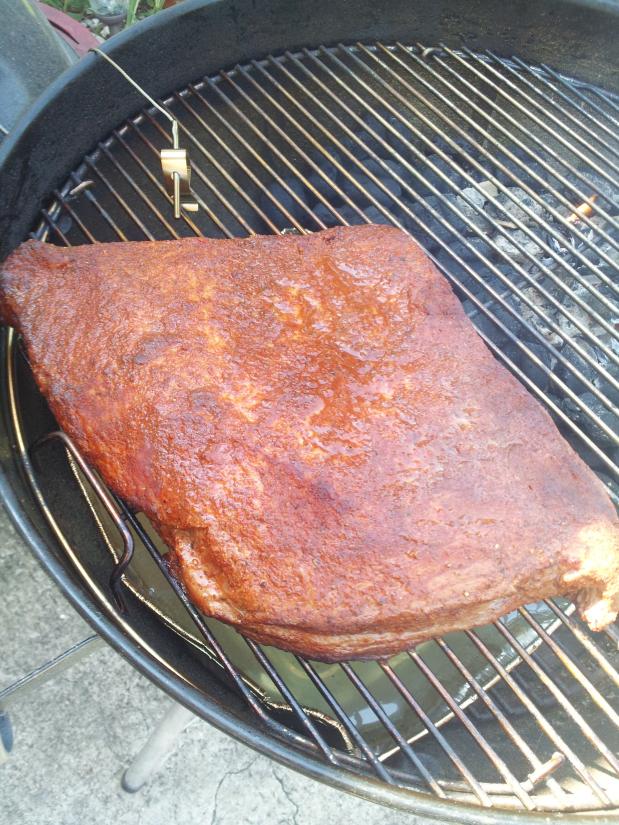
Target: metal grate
508	176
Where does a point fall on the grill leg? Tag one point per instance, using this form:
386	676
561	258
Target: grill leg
33	680
158	747
6	736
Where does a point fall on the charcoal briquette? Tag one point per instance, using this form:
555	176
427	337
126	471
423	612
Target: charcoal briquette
577	361
374	215
285	199
585	422
532	370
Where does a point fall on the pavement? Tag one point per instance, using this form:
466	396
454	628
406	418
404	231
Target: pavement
75	735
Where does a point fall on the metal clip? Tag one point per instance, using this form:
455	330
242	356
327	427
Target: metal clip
174	162
177	178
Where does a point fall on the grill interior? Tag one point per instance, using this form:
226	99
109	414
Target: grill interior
507	175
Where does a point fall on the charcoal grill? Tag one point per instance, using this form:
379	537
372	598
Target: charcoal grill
505	170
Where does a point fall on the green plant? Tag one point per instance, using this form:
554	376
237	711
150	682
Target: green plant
142	8
76	8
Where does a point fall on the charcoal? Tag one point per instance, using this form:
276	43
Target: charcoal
494	332
326	188
471	203
511	322
511	252
534	371
573	358
354	188
523	174
324	214
479	247
493	280
358	150
583	420
458	274
586	453
513	353
403	136
384	176
380	130
433	224
283	197
611	485
509	209
349	215
457	182
374	215
611	392
64	224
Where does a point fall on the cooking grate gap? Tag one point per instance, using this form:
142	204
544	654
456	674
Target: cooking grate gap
453	148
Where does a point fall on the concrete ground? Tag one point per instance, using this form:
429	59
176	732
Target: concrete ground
75	735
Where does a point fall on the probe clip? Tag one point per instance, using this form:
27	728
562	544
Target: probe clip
175	161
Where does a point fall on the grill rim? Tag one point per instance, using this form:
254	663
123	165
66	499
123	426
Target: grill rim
210	709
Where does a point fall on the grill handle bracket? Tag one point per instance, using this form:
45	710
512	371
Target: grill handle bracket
110	505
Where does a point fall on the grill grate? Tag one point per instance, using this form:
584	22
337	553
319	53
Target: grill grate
507	175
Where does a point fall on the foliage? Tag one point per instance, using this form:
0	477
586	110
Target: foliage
142	8
76	8
137	9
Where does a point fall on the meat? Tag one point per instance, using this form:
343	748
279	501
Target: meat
338	464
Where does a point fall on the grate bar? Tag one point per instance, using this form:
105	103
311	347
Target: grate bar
498	714
341	714
565	703
541	720
212	214
571	666
538	157
591	649
559	412
587	98
157	184
563	112
446	179
209	157
305	109
480	793
395	733
577	93
75	217
609	432
549	230
245	169
260	160
120	200
103	212
139	191
297	148
52	224
287	162
300	713
463	217
479	255
479	740
204	178
574	149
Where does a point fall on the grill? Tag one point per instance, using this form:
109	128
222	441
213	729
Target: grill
506	173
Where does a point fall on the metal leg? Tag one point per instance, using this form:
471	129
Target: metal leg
158	748
6	736
35	678
49	669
